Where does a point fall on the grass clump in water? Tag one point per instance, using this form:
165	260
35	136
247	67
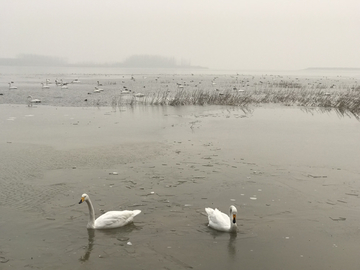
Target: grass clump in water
342	100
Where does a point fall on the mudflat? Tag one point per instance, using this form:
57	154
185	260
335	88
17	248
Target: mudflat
292	174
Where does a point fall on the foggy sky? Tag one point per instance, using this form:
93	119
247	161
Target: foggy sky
219	34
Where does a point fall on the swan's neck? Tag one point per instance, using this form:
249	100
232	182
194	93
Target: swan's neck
233	226
91	223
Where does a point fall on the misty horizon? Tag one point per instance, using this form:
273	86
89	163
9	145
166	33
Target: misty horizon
245	35
150	61
133	61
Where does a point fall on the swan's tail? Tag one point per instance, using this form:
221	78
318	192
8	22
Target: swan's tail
136	212
209	211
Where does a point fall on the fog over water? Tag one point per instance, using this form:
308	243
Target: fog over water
292	171
246	35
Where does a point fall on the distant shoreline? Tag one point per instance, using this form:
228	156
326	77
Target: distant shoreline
100	66
135	61
331	68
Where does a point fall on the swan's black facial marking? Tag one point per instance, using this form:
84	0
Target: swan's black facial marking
81	201
233	213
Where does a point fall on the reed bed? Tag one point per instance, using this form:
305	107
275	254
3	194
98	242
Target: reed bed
345	101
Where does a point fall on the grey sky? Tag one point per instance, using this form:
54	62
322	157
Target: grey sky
219	34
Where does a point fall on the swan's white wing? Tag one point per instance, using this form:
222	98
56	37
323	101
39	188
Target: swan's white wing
115	219
218	220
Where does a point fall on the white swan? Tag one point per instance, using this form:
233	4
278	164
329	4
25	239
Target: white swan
139	95
45	86
124	92
98	90
109	220
221	221
12	87
31	101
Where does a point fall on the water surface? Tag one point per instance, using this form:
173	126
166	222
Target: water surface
293	176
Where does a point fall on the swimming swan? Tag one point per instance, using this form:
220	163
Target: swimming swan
31	101
109	220
221	221
98	90
139	95
124	92
11	87
45	86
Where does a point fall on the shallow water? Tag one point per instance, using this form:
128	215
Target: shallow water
81	94
293	175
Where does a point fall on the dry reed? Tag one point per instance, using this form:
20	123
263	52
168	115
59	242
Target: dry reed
344	101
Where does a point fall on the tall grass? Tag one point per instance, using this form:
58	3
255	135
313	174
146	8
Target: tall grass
342	100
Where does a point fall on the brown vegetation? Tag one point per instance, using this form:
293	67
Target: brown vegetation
342	100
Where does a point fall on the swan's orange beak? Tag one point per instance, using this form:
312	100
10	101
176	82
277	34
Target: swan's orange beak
82	200
234	218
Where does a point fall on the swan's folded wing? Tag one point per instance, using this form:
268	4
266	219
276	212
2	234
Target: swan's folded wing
219	220
209	211
114	219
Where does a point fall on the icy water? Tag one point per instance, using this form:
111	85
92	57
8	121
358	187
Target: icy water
292	174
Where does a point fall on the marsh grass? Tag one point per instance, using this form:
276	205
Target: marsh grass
344	101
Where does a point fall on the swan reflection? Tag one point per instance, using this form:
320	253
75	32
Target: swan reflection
231	246
89	248
121	234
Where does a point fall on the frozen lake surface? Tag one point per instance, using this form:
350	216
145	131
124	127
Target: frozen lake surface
293	176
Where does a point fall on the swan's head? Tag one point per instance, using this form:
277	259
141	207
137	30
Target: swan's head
84	197
233	212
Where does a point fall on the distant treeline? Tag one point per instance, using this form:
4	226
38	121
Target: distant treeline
135	61
332	68
148	61
33	60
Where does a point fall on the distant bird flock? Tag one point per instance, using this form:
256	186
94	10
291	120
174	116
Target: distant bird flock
203	89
